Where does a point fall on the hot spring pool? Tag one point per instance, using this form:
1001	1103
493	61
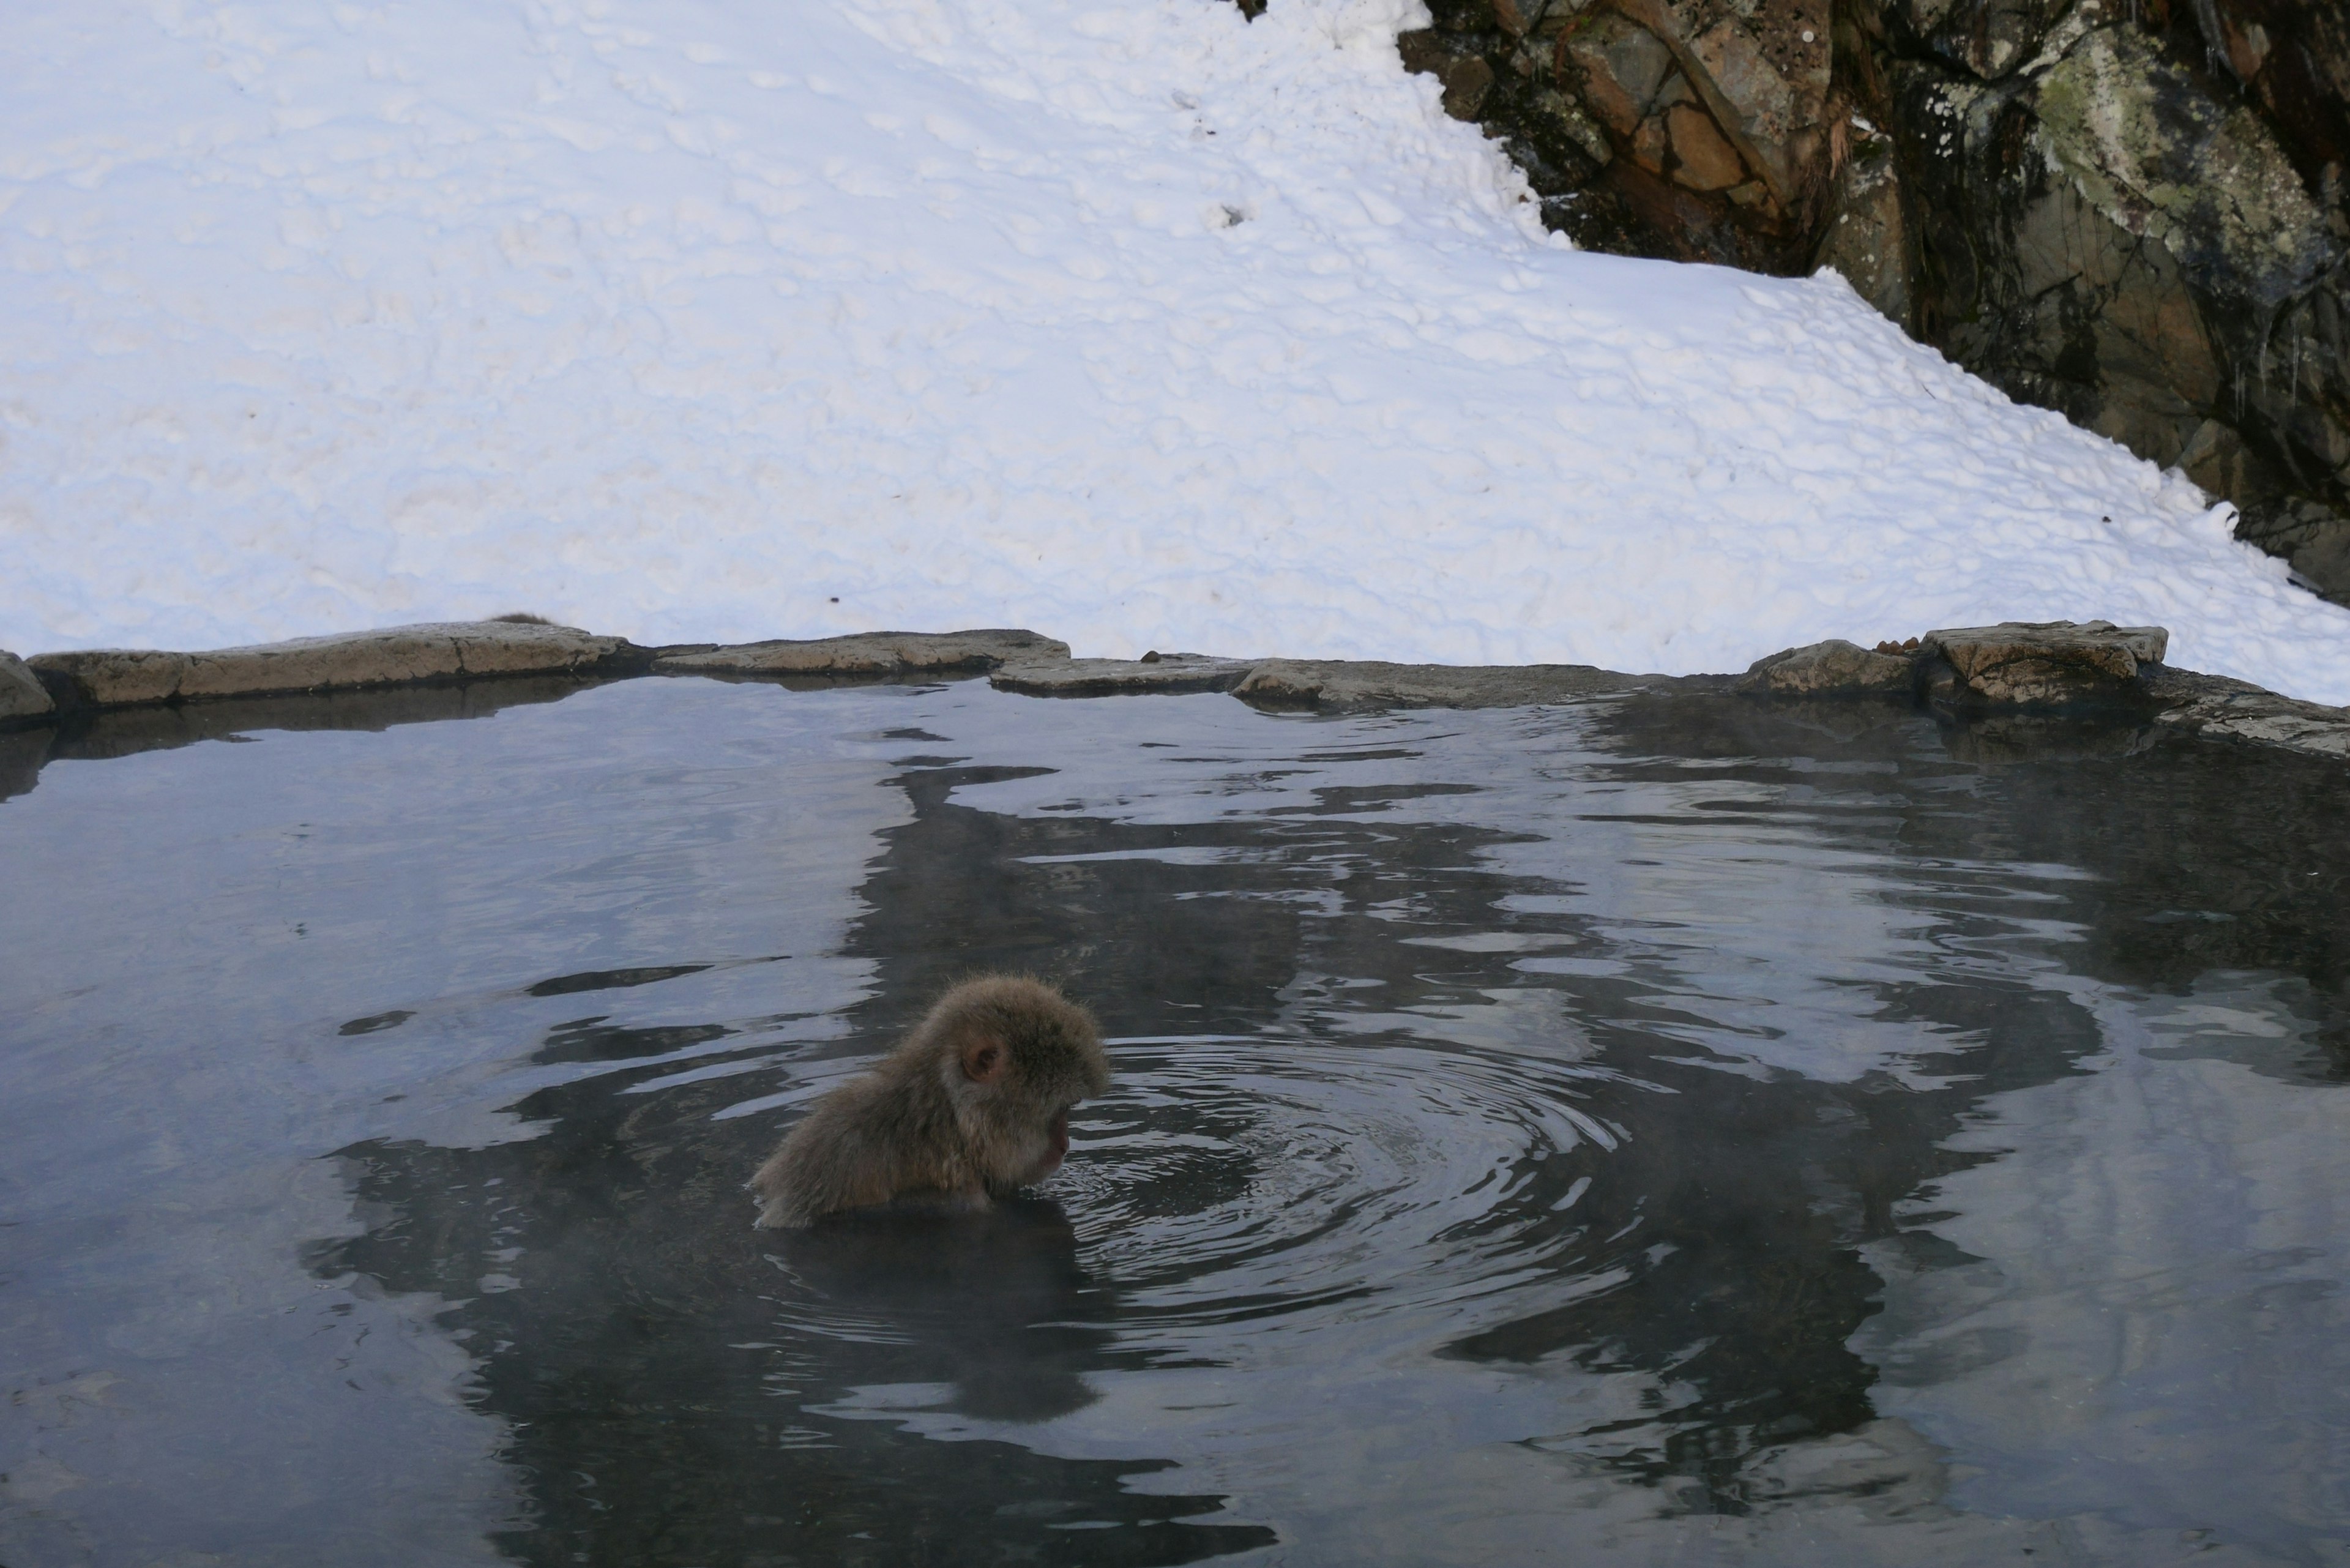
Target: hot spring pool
1657	1131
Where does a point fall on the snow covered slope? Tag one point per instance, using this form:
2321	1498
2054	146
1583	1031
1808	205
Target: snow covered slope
1123	319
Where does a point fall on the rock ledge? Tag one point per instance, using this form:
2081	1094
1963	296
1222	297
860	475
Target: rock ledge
1337	686
1172	672
400	655
868	653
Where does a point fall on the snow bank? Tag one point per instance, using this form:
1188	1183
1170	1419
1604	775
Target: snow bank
1131	322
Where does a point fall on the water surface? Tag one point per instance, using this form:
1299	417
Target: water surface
1667	1131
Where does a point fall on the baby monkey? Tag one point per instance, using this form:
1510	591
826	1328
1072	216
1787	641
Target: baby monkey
972	1104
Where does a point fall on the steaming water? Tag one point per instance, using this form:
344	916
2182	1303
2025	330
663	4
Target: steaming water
1666	1131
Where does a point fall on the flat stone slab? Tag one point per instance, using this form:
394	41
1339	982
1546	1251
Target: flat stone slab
869	653
1334	686
2215	708
2046	663
2017	666
437	650
21	695
1172	672
1832	669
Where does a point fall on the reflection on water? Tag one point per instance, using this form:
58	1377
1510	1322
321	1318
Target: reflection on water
1653	1132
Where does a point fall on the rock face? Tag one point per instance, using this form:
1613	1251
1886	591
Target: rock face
2044	663
448	650
2129	211
1832	669
869	653
21	695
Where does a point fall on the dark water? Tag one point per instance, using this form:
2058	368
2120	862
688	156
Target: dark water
1668	1132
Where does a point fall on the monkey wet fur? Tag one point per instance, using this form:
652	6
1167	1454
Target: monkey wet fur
972	1104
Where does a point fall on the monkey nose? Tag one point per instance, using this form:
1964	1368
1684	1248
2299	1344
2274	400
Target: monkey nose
1060	1137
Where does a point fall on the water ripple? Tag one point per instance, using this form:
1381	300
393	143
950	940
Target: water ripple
1261	1178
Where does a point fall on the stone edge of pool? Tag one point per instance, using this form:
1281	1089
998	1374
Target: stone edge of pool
2087	669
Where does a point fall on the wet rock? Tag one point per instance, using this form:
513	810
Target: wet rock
444	650
2313	536
1342	686
2219	709
2113	238
1988	38
2044	663
2162	157
23	698
1866	234
1833	668
1466	83
1122	677
871	653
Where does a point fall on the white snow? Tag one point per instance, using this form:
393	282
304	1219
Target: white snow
1134	322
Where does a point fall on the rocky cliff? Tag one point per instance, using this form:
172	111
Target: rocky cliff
2129	211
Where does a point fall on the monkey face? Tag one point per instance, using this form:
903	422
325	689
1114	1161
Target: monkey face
1056	1147
1042	1149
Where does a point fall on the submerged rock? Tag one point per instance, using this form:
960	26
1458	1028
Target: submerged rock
2042	663
21	695
1833	668
869	653
439	650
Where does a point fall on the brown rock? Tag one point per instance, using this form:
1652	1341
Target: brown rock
1762	70
1466	83
2045	663
1703	158
1422	51
871	653
1519	17
1650	143
1620	66
21	695
1832	669
109	677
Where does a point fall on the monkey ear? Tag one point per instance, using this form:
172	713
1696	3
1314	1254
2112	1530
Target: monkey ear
984	1059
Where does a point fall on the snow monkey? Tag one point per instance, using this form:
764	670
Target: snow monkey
972	1104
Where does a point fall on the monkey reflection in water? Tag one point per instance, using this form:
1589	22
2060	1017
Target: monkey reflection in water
993	1305
917	1164
973	1105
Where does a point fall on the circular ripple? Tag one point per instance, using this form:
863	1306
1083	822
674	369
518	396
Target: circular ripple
1223	1179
